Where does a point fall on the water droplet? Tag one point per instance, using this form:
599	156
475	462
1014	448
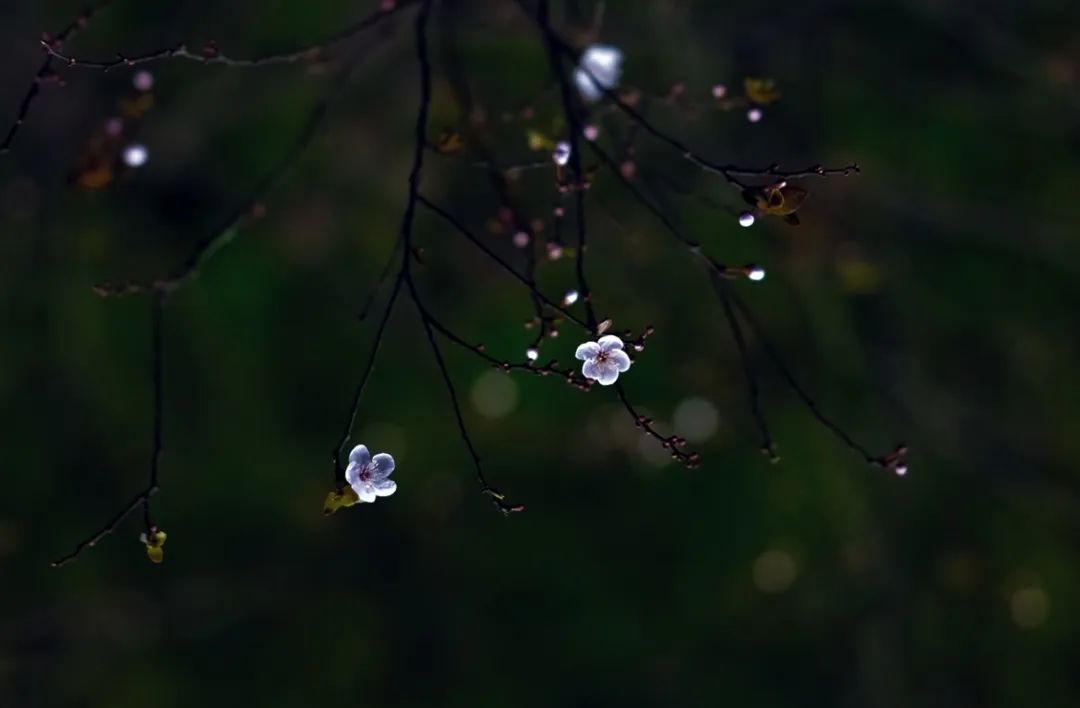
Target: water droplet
136	155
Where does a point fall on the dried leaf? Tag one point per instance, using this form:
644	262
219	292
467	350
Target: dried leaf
781	201
135	108
449	142
95	177
761	91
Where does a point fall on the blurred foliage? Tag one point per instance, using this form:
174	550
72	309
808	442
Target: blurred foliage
931	299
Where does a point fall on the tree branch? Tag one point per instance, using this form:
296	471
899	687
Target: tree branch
45	72
210	54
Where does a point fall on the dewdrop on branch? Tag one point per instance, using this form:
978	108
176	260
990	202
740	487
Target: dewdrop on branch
746	219
136	155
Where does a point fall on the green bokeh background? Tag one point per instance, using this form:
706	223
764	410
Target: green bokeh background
931	300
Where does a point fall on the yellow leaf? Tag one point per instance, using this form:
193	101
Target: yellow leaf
449	142
95	177
859	276
135	108
156	554
339	500
761	91
155	545
539	142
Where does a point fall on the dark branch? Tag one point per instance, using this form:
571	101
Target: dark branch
768	447
568	98
730	172
673	443
249	210
476	241
45	73
210	54
339	449
157	376
890	461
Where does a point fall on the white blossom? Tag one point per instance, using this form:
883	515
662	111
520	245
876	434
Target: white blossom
746	219
604	359
369	476
561	154
599	69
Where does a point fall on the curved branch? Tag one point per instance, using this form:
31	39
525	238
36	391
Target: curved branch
210	55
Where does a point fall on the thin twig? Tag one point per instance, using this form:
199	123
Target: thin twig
551	367
672	443
768	447
502	263
249	210
142	499
210	54
804	396
574	128
339	449
43	73
730	172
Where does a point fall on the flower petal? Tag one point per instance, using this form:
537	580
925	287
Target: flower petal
585	84
610	342
620	359
385	487
600	68
352	473
359	456
587	350
381	465
365	491
604	61
591	369
608	373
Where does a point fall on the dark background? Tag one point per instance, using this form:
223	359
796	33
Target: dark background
930	300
